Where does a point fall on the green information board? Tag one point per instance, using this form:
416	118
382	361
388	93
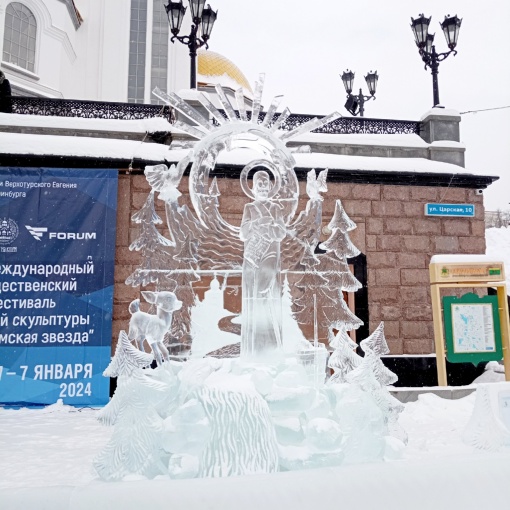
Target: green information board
472	329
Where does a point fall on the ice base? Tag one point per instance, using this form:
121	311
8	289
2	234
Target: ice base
223	417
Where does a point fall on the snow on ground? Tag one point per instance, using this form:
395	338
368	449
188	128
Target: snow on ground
46	462
498	246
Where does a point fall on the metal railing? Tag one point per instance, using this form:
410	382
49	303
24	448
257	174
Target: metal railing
87	109
353	125
130	111
347	125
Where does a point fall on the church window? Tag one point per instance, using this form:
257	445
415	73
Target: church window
159	64
137	49
19	36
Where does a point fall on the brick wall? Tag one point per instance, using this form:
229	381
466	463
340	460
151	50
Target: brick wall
392	231
399	241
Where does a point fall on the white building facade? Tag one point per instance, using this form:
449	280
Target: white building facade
103	50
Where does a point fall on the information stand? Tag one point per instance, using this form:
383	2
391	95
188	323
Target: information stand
490	336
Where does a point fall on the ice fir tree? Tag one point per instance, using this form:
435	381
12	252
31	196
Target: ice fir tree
134	446
335	269
373	377
485	430
152	245
291	333
344	358
184	274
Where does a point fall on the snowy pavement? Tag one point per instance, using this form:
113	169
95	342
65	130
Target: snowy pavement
46	462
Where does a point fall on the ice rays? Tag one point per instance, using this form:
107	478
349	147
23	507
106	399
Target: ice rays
238	113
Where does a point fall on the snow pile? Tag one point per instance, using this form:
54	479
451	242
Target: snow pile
498	247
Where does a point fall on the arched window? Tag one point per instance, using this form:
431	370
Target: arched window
19	36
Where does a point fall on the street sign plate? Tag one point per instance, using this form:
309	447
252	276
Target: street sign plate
456	210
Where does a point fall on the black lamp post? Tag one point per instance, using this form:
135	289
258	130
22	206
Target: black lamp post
203	18
358	101
427	49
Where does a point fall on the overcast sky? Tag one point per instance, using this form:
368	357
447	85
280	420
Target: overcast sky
304	46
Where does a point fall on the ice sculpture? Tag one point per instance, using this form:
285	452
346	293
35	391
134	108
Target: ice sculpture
485	430
262	229
145	326
269	408
369	375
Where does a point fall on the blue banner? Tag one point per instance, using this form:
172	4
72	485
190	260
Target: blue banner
57	249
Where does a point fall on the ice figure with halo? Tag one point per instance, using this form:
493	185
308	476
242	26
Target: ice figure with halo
267	409
262	229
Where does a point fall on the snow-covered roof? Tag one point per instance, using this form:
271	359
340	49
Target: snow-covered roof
342	162
77	123
440	112
375	140
75	146
161	124
105	147
84	147
464	259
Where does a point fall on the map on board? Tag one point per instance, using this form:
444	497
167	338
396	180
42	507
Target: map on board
473	328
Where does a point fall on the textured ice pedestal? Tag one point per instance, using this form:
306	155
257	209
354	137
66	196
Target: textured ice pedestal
223	417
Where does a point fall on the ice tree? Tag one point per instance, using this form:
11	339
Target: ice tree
184	274
373	377
292	334
311	282
332	310
484	430
135	443
335	268
375	346
152	245
134	446
126	360
339	241
344	358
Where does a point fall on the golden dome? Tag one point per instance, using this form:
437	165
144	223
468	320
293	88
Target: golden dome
212	68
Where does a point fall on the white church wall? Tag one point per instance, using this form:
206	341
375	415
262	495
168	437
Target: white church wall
55	52
104	49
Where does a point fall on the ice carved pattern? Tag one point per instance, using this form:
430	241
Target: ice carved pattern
242	437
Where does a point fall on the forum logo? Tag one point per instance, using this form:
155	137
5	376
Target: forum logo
38	233
8	231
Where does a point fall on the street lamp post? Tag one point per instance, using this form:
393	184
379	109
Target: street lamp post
202	24
427	49
355	101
